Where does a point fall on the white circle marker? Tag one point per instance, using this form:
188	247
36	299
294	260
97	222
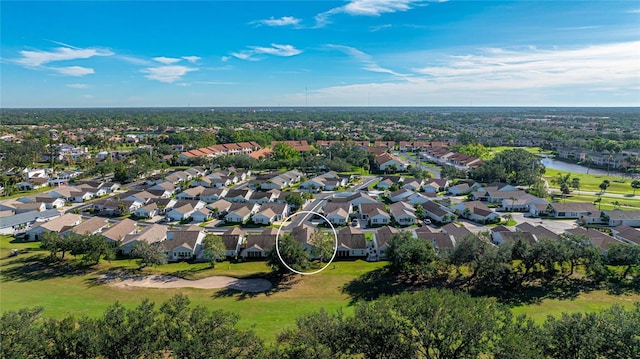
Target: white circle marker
335	249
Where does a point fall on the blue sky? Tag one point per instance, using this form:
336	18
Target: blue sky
319	53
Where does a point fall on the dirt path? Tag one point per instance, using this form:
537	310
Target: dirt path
166	281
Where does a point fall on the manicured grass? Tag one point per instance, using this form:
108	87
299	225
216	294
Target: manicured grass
591	182
534	150
27	283
62	293
585	302
607	202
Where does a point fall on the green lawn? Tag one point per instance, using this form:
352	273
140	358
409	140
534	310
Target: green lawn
607	202
591	182
534	150
25	282
585	302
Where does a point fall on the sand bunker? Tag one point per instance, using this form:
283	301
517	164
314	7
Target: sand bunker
214	282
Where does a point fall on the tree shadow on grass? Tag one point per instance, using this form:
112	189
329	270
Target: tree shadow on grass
618	286
535	292
375	284
35	268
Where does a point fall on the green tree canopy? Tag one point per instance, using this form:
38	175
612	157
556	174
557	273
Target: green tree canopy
516	166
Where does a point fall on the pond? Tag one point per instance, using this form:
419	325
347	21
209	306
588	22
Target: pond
572	167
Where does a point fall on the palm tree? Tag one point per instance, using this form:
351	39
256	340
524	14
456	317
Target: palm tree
616	204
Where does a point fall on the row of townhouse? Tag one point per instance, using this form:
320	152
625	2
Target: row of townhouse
430	186
78	193
219	150
276	180
370	212
42	177
329	181
260	214
327	144
444	156
534	234
601	159
351	242
73	223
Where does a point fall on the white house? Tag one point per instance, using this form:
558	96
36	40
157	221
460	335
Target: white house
153	234
259	245
375	214
380	242
475	211
183	245
403	213
191	193
437	213
351	243
210	195
19	223
233	240
55	225
183	210
618	217
201	215
387	161
400	194
240	212
571	210
147	211
269	213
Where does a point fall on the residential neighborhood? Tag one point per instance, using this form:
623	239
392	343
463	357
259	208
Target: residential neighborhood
126	214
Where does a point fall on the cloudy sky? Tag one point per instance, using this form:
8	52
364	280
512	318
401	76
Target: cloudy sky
319	53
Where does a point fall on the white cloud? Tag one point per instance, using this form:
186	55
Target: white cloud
366	8
225	58
134	60
283	21
534	67
633	11
192	59
167	74
37	58
496	77
275	50
166	60
243	55
73	70
78	86
367	61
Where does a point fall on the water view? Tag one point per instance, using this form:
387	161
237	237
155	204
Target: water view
572	167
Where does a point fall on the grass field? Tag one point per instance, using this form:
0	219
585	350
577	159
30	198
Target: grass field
25	282
534	150
591	182
607	202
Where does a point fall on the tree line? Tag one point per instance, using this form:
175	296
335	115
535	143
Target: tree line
475	263
426	324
